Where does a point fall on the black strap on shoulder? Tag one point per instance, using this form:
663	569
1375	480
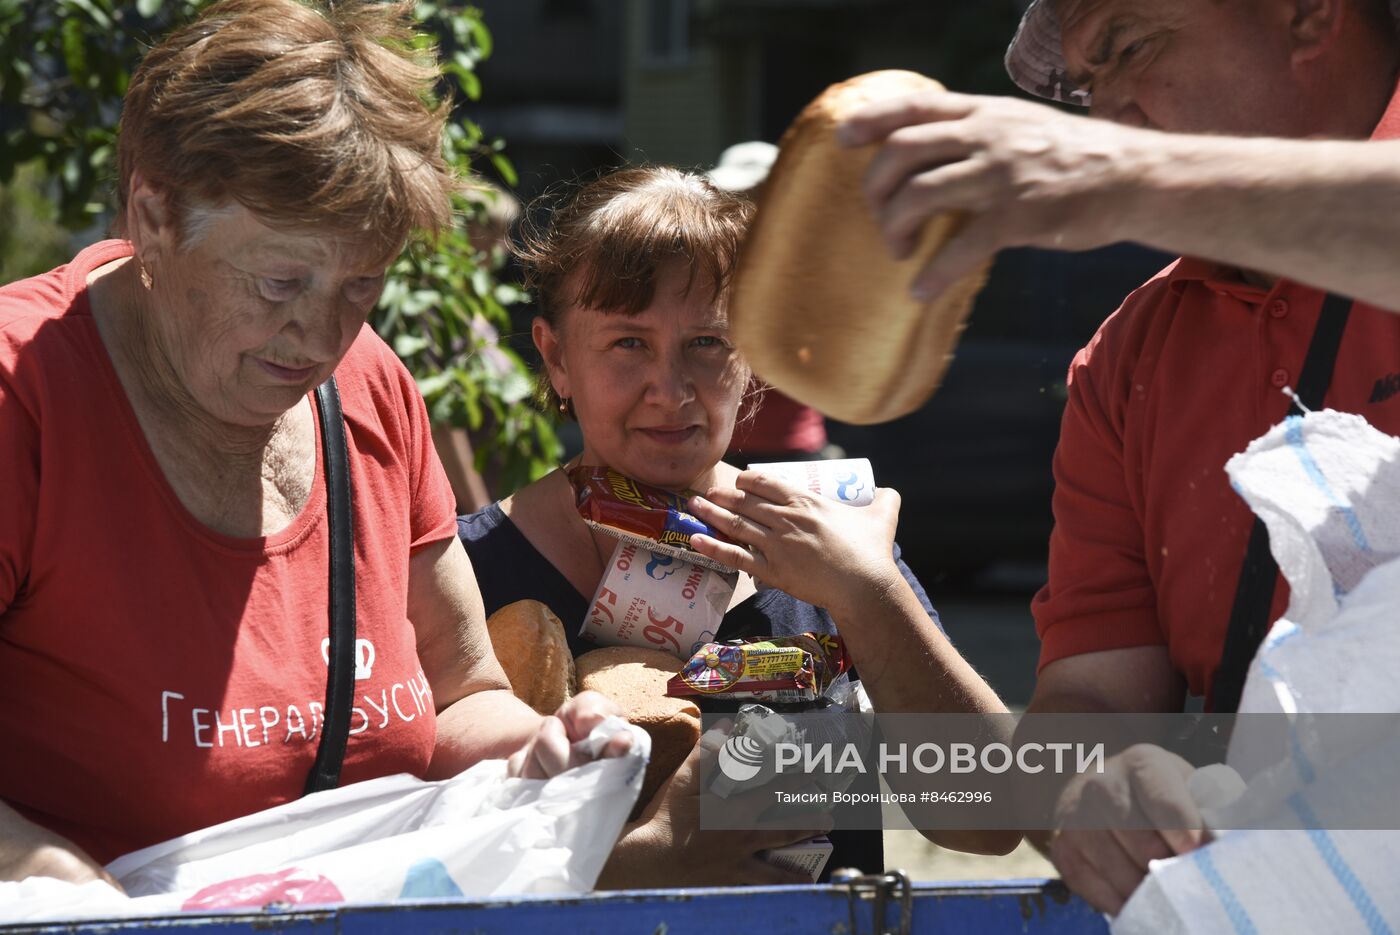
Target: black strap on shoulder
340	676
1254	597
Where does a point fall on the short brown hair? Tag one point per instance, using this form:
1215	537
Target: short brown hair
604	245
607	242
306	114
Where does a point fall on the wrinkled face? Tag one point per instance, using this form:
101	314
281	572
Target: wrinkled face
250	318
656	394
1190	66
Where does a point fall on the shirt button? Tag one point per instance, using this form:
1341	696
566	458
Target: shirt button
1280	378
1278	308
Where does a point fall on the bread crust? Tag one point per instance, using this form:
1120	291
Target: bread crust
530	642
819	307
635	678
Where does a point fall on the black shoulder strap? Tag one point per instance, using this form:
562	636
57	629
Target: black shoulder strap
340	677
1254	597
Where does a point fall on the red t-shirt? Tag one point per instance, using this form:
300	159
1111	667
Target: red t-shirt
156	676
1149	537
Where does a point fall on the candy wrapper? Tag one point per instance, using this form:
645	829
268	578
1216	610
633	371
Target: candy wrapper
648	598
850	481
758	730
808	857
778	669
637	513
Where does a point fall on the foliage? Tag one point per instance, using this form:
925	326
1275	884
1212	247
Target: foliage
64	66
31	239
443	308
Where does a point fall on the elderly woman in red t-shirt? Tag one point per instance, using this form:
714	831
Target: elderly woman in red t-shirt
163	530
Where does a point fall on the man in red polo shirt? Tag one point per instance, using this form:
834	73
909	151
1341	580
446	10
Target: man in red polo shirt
1149	538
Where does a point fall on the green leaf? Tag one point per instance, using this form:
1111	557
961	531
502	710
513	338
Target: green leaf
481	281
419	301
482	36
395	289
430	386
507	171
72	172
442	411
149	8
406	345
514	387
98	17
474	416
507	294
74	51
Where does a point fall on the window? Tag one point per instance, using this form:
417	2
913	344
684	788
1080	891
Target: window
566	10
666	32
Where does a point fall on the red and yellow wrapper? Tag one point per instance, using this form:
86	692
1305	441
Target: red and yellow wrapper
648	517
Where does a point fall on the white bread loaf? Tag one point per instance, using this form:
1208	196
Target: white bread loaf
819	307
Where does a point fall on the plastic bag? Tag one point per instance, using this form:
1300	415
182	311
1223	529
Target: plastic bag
1327	485
478	834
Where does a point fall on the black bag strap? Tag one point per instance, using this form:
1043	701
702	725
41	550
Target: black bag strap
1254	596
340	661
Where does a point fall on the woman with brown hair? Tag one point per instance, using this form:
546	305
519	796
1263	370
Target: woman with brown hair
164	537
630	279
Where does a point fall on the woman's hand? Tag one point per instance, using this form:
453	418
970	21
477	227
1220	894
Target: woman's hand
558	745
825	553
27	850
666	847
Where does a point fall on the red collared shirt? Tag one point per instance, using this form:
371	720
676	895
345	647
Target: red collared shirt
1149	537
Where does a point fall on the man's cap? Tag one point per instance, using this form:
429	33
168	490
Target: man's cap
1036	57
743	166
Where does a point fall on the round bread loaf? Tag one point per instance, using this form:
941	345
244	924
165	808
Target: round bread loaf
819	307
635	678
530	643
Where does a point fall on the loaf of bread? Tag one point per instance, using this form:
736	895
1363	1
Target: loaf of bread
530	643
820	308
635	679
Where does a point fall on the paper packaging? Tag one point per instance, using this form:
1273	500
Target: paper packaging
657	601
850	481
645	516
807	857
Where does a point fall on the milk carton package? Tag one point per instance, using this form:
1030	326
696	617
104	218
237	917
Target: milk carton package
657	601
850	481
660	601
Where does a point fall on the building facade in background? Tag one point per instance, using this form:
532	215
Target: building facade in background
588	84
